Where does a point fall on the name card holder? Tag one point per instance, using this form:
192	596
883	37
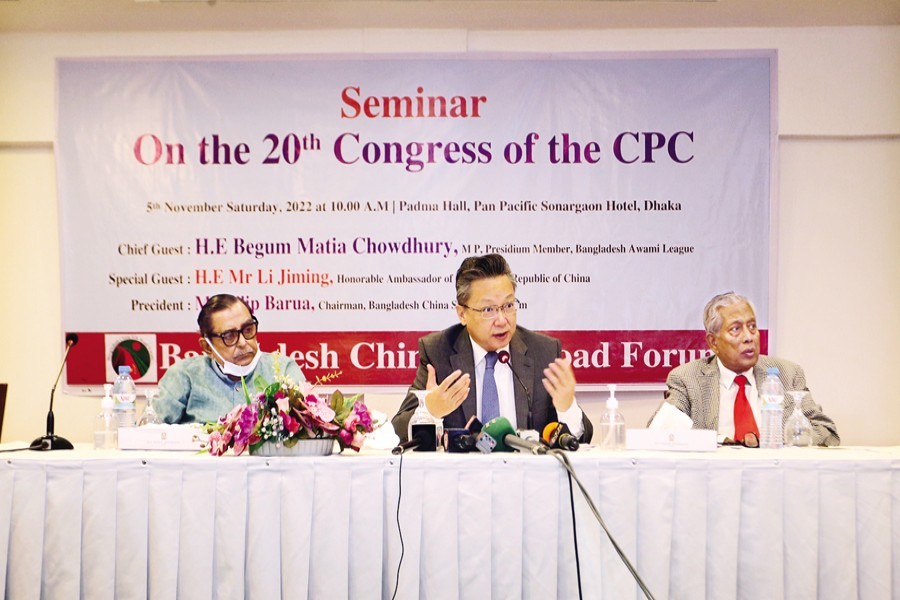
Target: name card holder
681	440
162	437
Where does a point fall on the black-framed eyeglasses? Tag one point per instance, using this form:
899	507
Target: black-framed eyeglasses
489	313
230	337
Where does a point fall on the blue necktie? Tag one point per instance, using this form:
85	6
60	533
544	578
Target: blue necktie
490	399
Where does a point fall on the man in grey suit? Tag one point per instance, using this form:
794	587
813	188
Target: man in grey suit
706	390
536	386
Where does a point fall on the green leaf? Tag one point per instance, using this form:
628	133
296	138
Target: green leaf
259	383
246	391
337	400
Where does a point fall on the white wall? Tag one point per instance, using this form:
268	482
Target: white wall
838	251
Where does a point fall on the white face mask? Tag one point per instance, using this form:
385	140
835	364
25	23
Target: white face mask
235	370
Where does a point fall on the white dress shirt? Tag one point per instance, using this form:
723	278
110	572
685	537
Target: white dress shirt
503	376
727	396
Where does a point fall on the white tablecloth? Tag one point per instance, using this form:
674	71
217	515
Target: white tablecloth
738	523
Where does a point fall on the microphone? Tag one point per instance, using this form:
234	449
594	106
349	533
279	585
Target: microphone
424	438
499	436
523	445
474	425
493	436
459	440
557	435
51	441
464	439
504	357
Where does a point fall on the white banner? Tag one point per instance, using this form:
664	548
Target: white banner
339	195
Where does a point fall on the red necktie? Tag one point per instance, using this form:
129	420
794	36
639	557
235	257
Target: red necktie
744	422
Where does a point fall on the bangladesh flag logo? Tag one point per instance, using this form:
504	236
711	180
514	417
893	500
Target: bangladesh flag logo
131	353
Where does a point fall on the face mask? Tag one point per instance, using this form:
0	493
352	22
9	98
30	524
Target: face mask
232	369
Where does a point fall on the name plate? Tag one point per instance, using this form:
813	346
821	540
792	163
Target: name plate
162	437
682	440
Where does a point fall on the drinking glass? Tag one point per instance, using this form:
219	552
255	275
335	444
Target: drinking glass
797	428
149	416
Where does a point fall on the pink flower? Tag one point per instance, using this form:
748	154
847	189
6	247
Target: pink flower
229	419
352	420
291	425
320	408
346	437
282	402
358	440
217	446
244	427
361	417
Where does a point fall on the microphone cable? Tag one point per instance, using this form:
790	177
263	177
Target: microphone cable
575	535
44	445
399	530
564	461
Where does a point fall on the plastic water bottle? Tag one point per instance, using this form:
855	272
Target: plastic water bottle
106	427
772	395
612	425
124	392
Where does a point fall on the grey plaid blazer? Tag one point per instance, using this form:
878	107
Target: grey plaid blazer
693	388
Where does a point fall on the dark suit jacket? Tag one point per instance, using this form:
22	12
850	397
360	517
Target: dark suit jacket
451	349
693	388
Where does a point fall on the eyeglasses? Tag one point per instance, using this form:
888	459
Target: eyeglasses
489	313
230	337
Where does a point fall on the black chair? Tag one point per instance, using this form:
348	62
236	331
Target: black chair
3	387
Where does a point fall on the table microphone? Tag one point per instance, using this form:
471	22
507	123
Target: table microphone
557	435
464	439
521	444
498	435
424	439
51	441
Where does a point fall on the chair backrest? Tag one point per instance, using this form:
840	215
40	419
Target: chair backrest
3	387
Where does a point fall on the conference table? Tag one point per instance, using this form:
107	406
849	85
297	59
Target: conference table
734	523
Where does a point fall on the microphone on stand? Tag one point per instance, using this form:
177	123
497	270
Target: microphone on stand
557	435
525	445
499	436
424	439
51	441
464	439
504	357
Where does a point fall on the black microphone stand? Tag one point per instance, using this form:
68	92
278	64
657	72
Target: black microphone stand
505	357
51	441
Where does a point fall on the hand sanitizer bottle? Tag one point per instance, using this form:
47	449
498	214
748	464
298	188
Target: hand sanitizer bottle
106	426
612	425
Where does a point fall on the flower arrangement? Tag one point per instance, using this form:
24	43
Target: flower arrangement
286	412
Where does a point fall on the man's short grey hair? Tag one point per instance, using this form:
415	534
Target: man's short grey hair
712	318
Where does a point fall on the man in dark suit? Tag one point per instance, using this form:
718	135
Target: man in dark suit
707	389
535	387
